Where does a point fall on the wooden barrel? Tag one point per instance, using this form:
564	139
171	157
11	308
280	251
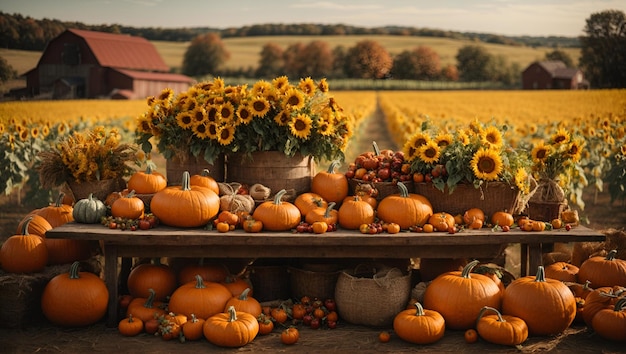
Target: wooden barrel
272	169
175	167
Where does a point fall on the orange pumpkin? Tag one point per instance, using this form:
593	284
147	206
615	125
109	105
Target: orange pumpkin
185	205
502	218
352	213
405	209
306	202
37	225
148	181
441	221
204	299
562	271
419	326
159	277
244	302
277	215
145	308
57	213
331	185
204	179
128	207
193	328
329	215
23	252
603	271
231	328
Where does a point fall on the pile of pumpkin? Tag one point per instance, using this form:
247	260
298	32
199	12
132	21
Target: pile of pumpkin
541	305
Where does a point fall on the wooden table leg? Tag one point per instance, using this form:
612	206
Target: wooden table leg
523	260
535	258
110	277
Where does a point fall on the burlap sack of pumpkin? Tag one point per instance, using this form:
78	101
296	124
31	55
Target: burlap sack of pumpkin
232	201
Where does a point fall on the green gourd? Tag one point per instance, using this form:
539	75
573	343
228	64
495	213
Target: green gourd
89	210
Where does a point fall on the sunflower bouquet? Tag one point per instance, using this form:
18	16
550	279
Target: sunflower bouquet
212	118
473	155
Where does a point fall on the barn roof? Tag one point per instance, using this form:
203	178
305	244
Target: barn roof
552	66
122	51
152	76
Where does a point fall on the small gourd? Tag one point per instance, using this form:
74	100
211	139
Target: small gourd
128	207
277	215
89	210
148	181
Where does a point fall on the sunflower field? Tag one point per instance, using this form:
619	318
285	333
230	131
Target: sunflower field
595	120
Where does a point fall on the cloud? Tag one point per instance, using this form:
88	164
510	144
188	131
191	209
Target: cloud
327	5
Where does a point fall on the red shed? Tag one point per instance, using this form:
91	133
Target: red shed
544	75
88	64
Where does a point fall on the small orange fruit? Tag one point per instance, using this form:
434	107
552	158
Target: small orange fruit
428	228
473	213
475	224
384	336
539	226
471	336
557	223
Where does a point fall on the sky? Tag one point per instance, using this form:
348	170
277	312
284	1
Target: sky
505	17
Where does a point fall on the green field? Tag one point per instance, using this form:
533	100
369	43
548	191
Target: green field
244	52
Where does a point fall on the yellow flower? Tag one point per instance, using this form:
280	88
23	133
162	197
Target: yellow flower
166	94
34	132
226	135
429	152
492	137
283	117
227	110
260	87
24	134
212	130
281	83
218	84
300	126
307	85
212	113
562	136
444	139
184	120
200	130
244	113
2	128
294	98
486	164
323	85
540	152
462	137
260	106
198	116
575	150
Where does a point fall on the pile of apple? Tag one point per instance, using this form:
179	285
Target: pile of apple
380	166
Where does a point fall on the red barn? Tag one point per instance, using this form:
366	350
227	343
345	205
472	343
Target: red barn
545	75
88	64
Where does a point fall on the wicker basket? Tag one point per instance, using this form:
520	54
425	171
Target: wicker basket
175	167
313	284
490	198
383	188
545	211
372	297
99	189
270	282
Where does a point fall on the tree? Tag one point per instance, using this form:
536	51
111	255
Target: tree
271	62
6	71
339	62
293	66
473	63
205	55
603	48
421	63
317	60
558	54
450	73
368	60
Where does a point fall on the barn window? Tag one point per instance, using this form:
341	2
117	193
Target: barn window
71	54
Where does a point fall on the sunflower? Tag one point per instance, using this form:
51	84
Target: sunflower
212	130
300	126
2	128
281	83
166	95
198	115
492	137
201	130
283	117
323	86
212	113
622	149
462	137
45	130
226	135
227	110
184	119
522	181
24	134
487	164
429	152
307	85
561	136
260	106
444	139
575	150
244	113
260	87
218	84
325	128
294	98
540	152
34	132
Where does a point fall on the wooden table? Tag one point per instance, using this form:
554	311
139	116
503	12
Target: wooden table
165	241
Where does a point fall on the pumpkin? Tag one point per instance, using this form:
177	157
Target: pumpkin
352	213
245	303
266	326
405	209
277	215
154	275
75	298
64	251
419	326
599	299
214	272
193	328
128	207
460	295
308	201
473	214
204	299
185	205
231	328
331	185
501	329
89	210
289	335
546	305
252	225
502	218
145	308
57	213
148	181
562	271
130	326
579	290
37	225
204	179
23	252
603	271
236	285
611	323
328	215
441	221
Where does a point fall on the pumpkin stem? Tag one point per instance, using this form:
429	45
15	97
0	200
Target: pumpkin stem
468	269
199	282
244	294
193	319
278	197
150	300
26	225
333	166
205	172
185	185
489	308
149	169
376	149
232	314
130	194
541	274
620	304
404	191
329	208
74	270
611	255
59	202
419	309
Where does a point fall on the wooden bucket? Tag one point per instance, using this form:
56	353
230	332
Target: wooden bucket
175	167
272	169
